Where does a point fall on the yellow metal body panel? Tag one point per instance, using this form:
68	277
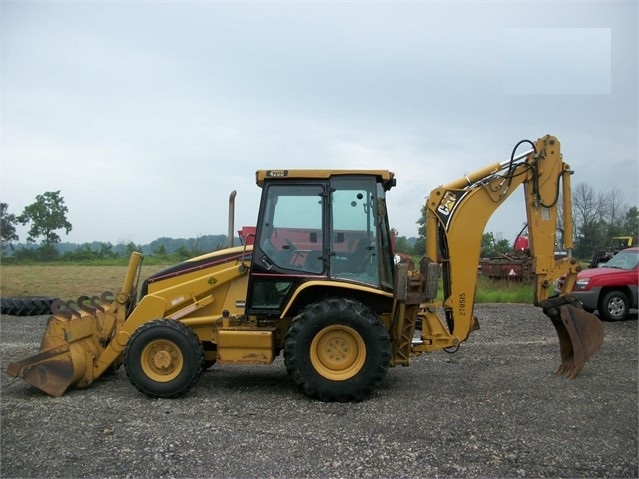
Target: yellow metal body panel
340	287
216	280
245	346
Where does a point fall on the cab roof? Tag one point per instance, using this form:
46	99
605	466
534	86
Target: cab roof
384	176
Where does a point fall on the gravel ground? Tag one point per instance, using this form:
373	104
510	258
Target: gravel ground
493	409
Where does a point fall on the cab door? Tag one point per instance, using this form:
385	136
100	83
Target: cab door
289	245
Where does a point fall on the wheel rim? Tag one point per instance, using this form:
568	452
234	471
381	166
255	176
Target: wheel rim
162	360
616	307
338	352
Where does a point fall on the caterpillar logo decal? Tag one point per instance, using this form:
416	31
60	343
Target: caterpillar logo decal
448	203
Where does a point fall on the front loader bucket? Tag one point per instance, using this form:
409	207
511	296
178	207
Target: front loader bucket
580	333
76	334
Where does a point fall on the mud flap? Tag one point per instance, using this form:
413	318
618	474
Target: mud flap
580	333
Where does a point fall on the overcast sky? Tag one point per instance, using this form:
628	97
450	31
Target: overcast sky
146	115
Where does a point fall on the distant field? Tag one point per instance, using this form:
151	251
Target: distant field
71	281
64	281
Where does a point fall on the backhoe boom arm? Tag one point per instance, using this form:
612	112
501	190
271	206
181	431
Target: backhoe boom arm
457	214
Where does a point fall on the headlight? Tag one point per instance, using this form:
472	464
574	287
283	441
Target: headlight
581	283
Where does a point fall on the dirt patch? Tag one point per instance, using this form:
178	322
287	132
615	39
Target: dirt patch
493	409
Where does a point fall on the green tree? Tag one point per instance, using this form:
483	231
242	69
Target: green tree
419	248
47	215
592	236
494	245
84	252
402	246
631	221
183	253
131	247
106	251
8	223
160	252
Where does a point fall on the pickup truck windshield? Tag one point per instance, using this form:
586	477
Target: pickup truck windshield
627	259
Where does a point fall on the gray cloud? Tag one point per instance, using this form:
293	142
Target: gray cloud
147	115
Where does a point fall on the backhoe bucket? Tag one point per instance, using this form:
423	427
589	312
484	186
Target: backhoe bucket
580	333
74	337
77	334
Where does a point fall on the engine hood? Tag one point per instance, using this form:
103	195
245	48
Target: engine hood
601	272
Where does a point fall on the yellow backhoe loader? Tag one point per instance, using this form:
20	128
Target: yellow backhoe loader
318	283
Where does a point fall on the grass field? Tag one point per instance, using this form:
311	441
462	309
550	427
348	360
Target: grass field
71	281
64	281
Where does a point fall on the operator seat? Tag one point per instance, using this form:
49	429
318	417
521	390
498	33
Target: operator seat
361	256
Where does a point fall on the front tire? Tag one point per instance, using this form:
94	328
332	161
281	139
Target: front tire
164	358
337	350
614	306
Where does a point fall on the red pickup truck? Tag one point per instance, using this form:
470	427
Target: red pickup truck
612	288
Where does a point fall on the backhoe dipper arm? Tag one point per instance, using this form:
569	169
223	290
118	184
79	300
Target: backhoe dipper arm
457	214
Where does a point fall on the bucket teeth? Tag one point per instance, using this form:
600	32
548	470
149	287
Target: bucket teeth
95	302
64	309
75	310
82	300
82	306
107	297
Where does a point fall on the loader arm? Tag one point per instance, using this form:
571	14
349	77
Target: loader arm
83	341
457	214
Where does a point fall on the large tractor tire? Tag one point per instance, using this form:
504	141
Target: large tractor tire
164	358
26	305
337	350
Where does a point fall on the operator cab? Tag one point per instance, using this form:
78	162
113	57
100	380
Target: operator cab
319	225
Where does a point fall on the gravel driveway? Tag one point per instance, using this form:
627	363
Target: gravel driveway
493	409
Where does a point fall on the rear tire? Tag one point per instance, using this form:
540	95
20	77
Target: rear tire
614	306
164	358
337	350
26	305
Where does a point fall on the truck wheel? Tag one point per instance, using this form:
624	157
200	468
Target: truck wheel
337	350
26	305
614	306
164	358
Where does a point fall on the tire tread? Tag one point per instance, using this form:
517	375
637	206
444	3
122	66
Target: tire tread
26	305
